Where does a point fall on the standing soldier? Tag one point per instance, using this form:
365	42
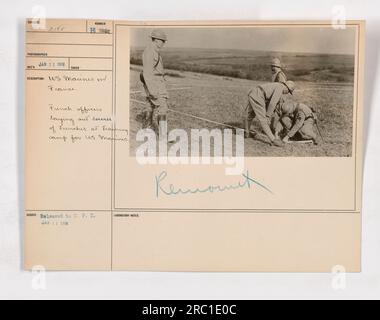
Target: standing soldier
154	82
262	103
278	74
296	117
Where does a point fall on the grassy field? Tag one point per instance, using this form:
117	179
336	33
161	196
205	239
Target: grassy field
222	98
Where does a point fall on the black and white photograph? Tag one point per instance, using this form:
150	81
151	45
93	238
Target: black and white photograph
189	157
289	88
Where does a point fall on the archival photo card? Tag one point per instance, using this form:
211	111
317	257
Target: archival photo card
219	146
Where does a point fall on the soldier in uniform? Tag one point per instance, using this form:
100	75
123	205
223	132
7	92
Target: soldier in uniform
278	74
296	117
262	103
153	80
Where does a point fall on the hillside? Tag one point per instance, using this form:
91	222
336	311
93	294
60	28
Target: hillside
255	65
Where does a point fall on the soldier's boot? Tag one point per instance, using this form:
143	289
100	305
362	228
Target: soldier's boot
313	137
163	129
316	140
148	119
247	128
308	133
162	126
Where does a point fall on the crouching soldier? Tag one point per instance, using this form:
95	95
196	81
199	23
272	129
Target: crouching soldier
262	102
295	117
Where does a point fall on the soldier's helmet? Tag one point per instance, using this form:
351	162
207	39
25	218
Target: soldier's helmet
276	63
159	34
290	85
288	107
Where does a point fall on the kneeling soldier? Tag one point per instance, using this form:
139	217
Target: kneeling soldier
296	117
262	102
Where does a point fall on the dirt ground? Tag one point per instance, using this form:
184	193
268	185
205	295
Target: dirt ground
222	99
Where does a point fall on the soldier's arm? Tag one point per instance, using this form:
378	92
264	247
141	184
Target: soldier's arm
276	97
147	64
300	119
148	71
277	123
281	77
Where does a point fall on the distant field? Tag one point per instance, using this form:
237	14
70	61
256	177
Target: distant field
255	65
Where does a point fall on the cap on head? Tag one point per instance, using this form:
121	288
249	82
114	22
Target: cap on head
276	63
158	34
290	85
287	107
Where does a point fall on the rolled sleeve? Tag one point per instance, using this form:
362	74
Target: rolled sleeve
274	101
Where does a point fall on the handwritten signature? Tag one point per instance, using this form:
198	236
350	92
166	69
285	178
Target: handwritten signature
247	182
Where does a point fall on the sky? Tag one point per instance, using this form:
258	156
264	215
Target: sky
286	39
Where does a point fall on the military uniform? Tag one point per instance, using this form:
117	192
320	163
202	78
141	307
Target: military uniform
262	102
299	119
279	76
155	84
